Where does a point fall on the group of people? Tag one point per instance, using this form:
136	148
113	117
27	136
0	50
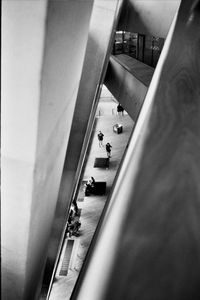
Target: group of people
108	145
100	135
73	222
120	110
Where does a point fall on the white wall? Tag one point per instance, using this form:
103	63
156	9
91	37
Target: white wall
23	30
43	50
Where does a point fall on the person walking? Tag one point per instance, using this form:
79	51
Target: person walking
108	149
120	109
100	138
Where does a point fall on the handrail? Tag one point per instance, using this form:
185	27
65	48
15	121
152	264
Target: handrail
149	242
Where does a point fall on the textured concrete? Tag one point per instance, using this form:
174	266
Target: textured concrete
154	251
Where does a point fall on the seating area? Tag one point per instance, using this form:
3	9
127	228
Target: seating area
101	162
99	188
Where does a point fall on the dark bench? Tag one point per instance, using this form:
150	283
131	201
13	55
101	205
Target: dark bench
98	189
101	162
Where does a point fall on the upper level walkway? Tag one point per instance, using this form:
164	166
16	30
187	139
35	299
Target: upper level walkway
128	80
137	68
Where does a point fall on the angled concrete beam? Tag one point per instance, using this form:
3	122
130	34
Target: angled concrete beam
98	50
148	246
41	75
128	80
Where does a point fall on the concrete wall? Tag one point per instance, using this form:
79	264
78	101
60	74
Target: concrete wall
95	62
125	87
151	17
154	250
23	31
43	51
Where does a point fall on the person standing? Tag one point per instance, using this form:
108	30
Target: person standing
92	181
75	206
120	109
108	149
100	138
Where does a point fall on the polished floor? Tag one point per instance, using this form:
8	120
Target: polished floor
92	206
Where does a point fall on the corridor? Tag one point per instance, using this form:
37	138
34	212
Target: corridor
92	206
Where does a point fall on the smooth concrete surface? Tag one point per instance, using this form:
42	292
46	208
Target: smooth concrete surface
138	69
23	31
149	17
67	28
154	252
95	61
92	206
128	80
41	74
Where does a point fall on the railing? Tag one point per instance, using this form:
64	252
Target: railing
148	244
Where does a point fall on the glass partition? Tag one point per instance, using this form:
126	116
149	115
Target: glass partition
142	47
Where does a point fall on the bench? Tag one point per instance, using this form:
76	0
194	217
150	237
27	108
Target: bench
98	189
101	162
